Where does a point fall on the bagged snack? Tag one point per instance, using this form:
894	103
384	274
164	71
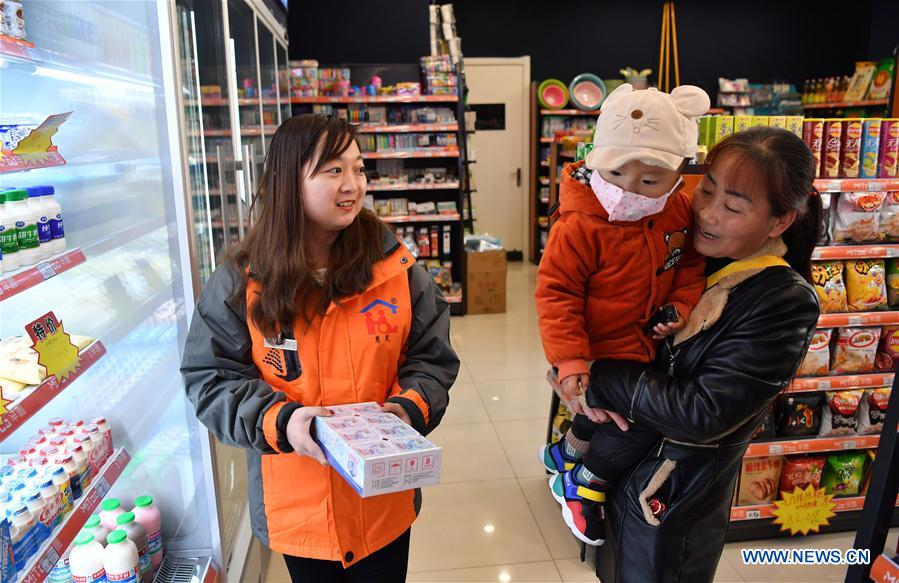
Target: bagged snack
766	429
872	411
813	136
851	147
866	481
828	280
866	285
839	416
801	472
833	140
889	217
888	165
758	480
826	200
799	415
870	148
857	218
893	282
888	351
843	473
855	351
817	359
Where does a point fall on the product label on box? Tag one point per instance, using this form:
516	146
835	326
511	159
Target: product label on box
57	229
43	230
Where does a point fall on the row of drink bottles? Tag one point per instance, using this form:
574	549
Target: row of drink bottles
31	227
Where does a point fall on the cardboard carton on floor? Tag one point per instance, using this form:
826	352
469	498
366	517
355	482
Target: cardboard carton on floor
375	452
486	283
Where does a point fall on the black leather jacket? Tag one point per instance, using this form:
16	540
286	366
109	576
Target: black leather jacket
706	396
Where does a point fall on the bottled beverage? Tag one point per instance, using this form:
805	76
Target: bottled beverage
9	239
62	571
57	229
52	496
36	203
77	453
120	558
86	560
96	528
71	468
26	226
61	479
138	535
111	509
148	515
38	508
106	432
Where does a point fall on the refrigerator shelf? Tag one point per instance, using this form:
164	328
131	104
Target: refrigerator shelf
29	277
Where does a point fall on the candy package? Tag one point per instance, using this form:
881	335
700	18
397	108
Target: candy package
888	351
801	472
758	480
817	359
866	285
872	411
828	280
843	473
799	415
839	415
855	351
857	217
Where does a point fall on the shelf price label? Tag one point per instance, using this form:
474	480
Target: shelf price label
804	510
54	347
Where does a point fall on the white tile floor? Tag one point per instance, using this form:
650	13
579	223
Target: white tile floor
492	517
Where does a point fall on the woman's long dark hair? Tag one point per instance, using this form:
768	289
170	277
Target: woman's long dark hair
778	163
273	250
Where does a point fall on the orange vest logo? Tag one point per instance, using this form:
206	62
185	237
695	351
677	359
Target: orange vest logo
376	319
676	241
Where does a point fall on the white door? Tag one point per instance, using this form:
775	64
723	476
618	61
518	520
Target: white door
498	92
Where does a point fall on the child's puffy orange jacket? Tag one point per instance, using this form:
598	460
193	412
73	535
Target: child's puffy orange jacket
599	283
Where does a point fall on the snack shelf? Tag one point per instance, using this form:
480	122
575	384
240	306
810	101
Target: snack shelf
379	99
855	252
213	133
840	383
412	186
436	218
767	510
547	140
568	112
837	104
425	153
408	128
856	184
811	445
858	319
23	409
29	277
218	101
885	569
39	566
544	182
457	299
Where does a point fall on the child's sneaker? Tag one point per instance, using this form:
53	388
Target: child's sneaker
555	459
583	508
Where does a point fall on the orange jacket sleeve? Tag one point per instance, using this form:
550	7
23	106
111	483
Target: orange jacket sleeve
569	259
689	280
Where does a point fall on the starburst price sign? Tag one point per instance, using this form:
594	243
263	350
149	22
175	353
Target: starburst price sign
804	510
54	346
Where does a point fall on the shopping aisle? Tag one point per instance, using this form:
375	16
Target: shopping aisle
492	518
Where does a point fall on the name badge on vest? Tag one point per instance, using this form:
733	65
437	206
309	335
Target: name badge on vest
281	343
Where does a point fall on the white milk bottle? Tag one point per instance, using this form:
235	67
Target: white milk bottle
86	560
9	239
106	432
26	226
36	203
68	462
77	452
138	535
110	511
21	523
38	507
61	479
53	498
120	558
96	528
89	447
57	230
98	453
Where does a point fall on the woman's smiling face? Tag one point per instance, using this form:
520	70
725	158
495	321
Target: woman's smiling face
732	219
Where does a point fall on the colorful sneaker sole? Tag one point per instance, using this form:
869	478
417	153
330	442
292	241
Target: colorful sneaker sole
568	516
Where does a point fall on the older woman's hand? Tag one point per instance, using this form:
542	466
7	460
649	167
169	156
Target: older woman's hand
604	416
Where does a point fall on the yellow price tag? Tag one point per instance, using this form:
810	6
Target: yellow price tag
3	409
804	510
54	346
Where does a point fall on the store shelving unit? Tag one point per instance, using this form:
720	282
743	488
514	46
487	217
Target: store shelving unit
847	104
449	157
28	277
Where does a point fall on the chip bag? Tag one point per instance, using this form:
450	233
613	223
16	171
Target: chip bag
888	352
889	217
839	415
857	217
828	280
866	285
893	282
855	351
801	472
872	411
817	359
799	415
843	473
758	480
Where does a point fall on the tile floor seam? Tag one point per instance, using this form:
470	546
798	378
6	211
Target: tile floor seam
483	567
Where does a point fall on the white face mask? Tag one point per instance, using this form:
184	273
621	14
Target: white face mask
627	206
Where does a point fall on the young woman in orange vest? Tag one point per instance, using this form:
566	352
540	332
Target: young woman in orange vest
320	305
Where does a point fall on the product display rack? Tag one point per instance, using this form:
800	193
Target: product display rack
454	157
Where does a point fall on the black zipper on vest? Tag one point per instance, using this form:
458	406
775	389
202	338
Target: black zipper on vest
292	360
672	355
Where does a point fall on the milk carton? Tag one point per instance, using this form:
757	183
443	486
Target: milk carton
375	452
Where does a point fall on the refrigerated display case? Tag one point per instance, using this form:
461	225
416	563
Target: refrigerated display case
283	81
125	279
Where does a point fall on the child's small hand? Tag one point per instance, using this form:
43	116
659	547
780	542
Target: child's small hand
664	330
573	386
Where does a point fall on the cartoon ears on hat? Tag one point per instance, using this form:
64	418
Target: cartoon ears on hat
617	95
691	100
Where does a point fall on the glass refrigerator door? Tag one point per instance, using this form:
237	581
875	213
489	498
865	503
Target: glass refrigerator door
268	74
283	82
124	278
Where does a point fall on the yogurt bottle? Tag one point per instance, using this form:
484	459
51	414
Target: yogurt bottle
86	560
56	423
54	210
21	522
92	432
106	432
17	490
90	451
71	468
36	203
9	239
120	558
38	507
96	528
76	424
148	515
26	226
77	453
61	478
68	434
138	535
111	509
52	496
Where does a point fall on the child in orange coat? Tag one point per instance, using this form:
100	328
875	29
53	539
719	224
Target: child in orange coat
620	252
